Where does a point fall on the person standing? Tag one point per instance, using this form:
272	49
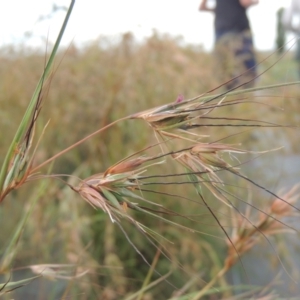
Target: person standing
291	22
234	51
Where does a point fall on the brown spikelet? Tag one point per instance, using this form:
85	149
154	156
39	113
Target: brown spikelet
92	196
281	208
126	166
214	148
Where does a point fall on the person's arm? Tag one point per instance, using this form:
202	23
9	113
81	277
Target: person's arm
204	7
247	3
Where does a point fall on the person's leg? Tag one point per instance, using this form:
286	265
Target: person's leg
225	63
245	57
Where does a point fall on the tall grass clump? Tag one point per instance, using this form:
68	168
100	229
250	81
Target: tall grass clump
120	183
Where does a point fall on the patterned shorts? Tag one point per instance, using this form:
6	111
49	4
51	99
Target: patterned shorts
235	59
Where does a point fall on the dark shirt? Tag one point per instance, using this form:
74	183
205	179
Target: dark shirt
230	16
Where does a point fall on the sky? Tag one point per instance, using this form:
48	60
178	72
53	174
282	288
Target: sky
31	21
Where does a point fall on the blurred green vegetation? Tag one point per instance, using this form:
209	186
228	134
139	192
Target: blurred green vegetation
90	88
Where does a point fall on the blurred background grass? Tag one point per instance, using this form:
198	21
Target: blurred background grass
91	87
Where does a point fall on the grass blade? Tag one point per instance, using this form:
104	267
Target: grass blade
32	104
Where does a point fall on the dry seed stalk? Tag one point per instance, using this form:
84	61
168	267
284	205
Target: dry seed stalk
247	235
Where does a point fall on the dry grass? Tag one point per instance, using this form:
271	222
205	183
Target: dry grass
200	234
